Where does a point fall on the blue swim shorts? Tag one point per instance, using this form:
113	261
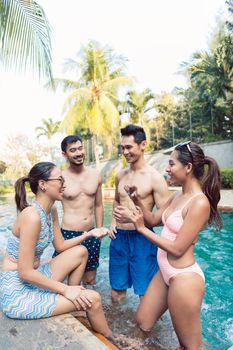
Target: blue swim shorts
132	261
92	244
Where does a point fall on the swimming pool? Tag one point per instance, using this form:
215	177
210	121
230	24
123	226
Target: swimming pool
214	253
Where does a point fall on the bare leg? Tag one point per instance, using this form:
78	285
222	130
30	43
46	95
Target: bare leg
71	263
118	295
95	313
184	300
153	304
90	277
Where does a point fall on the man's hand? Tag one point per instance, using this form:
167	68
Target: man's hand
132	192
122	214
76	294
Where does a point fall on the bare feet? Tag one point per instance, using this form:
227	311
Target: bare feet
118	295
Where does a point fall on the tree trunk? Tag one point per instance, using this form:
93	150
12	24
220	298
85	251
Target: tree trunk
96	151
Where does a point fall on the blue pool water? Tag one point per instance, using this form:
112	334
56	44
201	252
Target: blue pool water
213	252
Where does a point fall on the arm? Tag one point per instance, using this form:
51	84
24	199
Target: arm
99	209
160	190
60	244
194	221
116	202
162	199
152	219
30	227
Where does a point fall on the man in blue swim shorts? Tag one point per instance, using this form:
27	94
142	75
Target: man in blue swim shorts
82	202
133	258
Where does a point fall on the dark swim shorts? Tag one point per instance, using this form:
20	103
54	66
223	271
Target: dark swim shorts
92	244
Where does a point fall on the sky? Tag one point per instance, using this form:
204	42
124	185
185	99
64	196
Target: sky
156	36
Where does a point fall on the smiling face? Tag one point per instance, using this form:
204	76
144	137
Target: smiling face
131	150
54	186
75	153
176	170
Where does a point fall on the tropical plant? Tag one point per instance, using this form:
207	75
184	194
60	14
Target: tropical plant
138	104
3	167
99	75
229	23
25	37
48	128
208	101
164	123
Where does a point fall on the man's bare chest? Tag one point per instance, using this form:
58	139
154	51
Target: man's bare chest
142	182
75	190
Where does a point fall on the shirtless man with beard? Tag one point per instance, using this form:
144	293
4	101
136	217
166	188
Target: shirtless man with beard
133	258
82	203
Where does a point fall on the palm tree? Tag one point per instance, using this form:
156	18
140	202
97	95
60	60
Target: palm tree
25	37
94	95
138	104
48	128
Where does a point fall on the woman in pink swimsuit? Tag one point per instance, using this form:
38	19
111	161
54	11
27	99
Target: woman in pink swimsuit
179	285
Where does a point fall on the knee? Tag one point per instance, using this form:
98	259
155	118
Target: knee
96	300
91	281
81	251
142	324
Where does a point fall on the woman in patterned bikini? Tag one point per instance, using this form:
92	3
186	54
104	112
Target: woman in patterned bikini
180	283
30	290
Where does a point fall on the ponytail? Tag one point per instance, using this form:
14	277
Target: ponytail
211	187
20	193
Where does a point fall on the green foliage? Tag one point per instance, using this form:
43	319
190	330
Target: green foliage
98	78
227	178
25	37
3	167
110	180
6	187
48	129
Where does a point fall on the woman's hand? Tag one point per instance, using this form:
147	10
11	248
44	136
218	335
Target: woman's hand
122	214
138	220
76	294
112	231
99	232
132	192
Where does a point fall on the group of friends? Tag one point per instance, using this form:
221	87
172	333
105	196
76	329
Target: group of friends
161	268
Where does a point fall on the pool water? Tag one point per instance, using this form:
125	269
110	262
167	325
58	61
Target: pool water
214	254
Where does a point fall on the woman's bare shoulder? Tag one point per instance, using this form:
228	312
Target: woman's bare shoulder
30	214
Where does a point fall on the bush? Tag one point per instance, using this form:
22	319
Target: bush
227	178
110	181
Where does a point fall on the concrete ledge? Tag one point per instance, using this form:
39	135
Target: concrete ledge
59	332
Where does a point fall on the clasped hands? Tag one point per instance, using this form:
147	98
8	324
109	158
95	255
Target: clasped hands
125	215
77	295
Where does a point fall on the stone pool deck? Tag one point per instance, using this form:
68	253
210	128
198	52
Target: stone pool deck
59	332
63	332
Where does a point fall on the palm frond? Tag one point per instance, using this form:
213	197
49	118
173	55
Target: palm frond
25	37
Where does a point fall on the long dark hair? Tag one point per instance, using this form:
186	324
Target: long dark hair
206	170
40	171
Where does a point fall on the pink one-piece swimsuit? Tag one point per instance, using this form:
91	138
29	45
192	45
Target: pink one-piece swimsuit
171	227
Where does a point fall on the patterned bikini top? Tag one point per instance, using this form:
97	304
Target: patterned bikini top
45	237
